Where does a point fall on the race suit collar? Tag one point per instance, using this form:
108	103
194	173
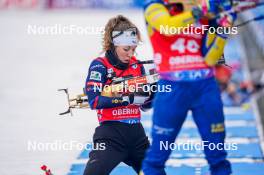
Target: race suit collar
114	60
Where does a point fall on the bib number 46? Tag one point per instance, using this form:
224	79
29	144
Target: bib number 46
182	45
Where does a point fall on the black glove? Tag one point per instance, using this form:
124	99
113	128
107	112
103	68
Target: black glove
148	103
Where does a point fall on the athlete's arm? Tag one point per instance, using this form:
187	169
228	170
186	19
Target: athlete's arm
213	48
94	84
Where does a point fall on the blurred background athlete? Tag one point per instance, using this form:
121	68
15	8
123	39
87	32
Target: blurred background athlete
186	62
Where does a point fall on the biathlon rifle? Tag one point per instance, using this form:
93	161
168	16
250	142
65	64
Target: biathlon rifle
79	101
114	90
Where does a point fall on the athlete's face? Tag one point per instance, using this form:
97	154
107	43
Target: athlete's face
125	53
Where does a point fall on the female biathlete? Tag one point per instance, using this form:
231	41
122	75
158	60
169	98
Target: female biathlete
120	132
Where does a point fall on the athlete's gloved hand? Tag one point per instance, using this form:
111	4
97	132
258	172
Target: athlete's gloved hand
221	23
148	103
226	20
222	16
133	99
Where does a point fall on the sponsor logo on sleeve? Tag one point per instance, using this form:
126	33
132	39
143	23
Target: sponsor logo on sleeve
97	66
134	66
96	76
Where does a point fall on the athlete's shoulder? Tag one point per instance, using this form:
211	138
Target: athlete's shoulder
97	63
97	71
147	3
